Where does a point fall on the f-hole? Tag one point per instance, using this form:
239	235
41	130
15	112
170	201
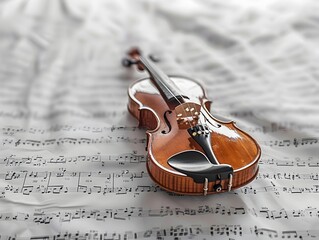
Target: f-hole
167	122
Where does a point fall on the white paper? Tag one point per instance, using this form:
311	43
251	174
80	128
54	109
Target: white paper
73	162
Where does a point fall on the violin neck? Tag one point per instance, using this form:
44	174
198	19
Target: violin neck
167	88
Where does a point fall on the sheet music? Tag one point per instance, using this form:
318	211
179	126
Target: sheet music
73	161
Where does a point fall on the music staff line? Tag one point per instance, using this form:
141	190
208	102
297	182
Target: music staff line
288	162
63	181
54	114
121	159
222	231
288	176
271	128
124	181
296	142
13	160
71	140
282	127
278	189
139	189
62	172
46	217
61	189
10	131
110	139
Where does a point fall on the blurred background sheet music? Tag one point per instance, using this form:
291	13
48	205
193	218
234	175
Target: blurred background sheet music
72	159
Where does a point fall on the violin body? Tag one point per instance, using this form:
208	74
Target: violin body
214	158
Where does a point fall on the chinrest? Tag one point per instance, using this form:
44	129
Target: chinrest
197	166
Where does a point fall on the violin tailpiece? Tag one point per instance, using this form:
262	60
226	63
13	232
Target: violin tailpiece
196	165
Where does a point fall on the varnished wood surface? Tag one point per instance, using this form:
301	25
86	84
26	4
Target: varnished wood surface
241	151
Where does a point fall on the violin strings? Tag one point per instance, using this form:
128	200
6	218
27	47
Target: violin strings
145	62
148	66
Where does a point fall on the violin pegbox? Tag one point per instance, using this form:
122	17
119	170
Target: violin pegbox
133	59
187	114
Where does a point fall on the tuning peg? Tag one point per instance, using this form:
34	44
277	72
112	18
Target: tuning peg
126	62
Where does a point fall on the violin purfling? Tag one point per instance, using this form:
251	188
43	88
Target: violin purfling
189	151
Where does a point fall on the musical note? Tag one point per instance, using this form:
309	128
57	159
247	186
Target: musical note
41	216
39	161
11	131
68	140
291	162
288	176
181	231
296	142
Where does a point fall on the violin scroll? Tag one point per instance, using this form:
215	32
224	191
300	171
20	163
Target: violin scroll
133	59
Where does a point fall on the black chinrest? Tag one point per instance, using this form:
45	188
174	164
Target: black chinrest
196	165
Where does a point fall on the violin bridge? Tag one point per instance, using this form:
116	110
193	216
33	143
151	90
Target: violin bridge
187	114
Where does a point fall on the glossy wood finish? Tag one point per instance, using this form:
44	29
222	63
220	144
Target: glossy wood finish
230	145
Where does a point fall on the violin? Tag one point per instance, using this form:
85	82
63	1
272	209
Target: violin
189	151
